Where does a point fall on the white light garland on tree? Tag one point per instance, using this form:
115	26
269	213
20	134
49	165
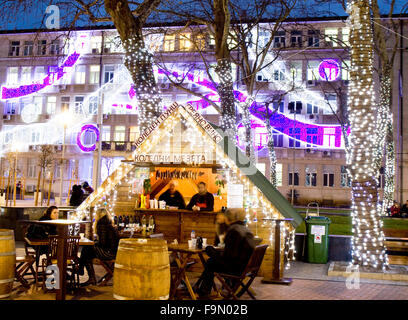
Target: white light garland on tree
368	239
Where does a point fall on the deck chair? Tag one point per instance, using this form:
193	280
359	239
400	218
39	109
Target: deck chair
23	267
235	285
108	266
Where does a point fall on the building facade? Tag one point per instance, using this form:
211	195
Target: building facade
45	74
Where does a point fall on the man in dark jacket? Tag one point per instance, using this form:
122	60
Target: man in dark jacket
239	245
172	197
202	201
404	210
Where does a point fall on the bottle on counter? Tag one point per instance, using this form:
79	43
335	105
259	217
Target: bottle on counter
144	222
151	224
120	223
193	235
115	220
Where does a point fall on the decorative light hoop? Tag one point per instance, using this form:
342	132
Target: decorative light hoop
85	128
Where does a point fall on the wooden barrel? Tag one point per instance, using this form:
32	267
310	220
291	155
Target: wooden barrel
142	270
7	262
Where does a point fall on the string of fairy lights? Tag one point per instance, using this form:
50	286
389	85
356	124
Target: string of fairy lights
368	239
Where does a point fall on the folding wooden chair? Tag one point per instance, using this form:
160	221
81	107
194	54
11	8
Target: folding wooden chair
23	266
109	266
236	285
72	258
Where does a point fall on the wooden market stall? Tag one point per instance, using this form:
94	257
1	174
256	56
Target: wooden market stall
181	147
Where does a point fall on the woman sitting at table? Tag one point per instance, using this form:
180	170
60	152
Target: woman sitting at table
105	247
42	231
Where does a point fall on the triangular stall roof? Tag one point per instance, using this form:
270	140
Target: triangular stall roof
148	139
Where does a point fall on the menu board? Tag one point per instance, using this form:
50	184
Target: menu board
235	195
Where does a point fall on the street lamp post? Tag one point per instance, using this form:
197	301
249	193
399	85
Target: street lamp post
62	165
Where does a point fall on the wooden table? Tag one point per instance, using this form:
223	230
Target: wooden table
182	254
62	233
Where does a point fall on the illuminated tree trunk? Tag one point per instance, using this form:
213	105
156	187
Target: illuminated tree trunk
222	20
271	152
368	240
247	137
389	172
138	60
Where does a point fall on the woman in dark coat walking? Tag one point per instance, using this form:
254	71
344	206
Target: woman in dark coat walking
105	247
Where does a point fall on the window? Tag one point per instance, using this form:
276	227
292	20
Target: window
346	36
311	136
93	105
293	176
169	42
38	102
295	105
94	71
279	73
312	72
199	42
331	101
105	136
120	133
311	176
79	102
185	41
331	37
345	180
296	38
80	74
26	75
51	104
14	49
277	139
345	70
109	73
35	136
313	37
279	175
31	167
28	48
96	43
295	70
8	134
55	47
295	136
133	133
328	179
312	109
12	75
262	77
279	106
65	103
11	107
39	73
42	47
211	42
232	41
279	40
328	176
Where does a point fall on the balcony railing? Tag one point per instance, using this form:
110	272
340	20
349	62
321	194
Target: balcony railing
123	146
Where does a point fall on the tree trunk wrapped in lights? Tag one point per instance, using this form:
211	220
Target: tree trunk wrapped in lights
138	60
389	170
272	153
247	137
368	240
226	92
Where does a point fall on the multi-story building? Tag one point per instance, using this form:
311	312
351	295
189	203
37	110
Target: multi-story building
42	77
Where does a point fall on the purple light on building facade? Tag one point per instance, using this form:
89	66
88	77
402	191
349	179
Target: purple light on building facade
84	129
25	90
329	70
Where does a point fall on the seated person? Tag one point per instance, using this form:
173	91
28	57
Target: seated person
404	210
395	210
42	231
220	229
172	197
76	196
239	245
202	201
105	247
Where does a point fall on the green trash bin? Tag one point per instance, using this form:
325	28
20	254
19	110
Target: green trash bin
317	239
